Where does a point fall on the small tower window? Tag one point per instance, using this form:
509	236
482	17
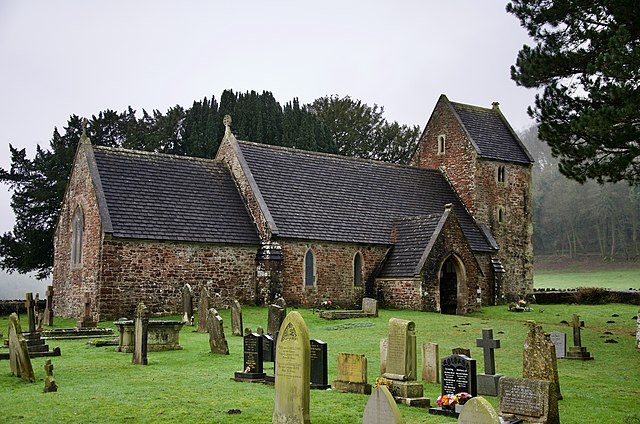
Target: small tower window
309	269
501	174
357	270
441	144
500	215
77	229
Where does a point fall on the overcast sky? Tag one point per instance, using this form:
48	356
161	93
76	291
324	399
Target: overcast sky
81	57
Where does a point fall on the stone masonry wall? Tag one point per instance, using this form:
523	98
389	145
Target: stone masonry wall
70	282
154	272
334	272
401	293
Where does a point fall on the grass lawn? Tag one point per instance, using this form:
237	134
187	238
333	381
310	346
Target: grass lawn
192	385
622	279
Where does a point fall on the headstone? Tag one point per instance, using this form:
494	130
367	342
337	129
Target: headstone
30	306
535	401
217	341
402	363
461	351
187	304
577	351
459	375
488	382
281	303
351	374
253	358
236	318
268	348
19	359
370	306
539	360
430	362
48	309
260	330
203	308
275	317
384	347
292	383
559	340
140	334
247	331
87	320
49	382
478	410
319	369
638	333
381	408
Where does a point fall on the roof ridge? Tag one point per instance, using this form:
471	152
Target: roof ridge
487	109
417	217
155	154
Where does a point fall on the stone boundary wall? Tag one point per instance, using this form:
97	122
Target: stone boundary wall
7	307
401	294
581	296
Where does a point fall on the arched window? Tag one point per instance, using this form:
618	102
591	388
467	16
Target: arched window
501	174
77	229
500	215
309	269
357	270
441	144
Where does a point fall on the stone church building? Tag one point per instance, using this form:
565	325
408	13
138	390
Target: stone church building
450	232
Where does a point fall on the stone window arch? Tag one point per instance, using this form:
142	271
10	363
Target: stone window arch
442	141
500	215
77	234
309	268
501	174
358	264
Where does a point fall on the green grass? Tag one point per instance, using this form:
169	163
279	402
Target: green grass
616	279
192	385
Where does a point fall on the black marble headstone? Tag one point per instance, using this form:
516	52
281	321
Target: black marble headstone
252	359
459	375
319	378
268	349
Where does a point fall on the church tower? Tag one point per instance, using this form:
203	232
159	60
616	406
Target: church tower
490	169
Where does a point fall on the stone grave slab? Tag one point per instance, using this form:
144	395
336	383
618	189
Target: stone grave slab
162	335
203	310
217	341
140	334
577	351
187	304
430	362
381	408
539	360
478	410
253	359
559	340
319	369
351	374
236	318
535	401
19	359
292	383
369	309
488	382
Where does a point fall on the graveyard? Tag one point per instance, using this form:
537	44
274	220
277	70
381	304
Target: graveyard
98	384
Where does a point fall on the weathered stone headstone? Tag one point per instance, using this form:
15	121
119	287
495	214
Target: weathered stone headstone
292	383
381	408
478	410
187	304
430	362
30	306
253	358
217	341
461	351
402	363
539	360
87	319
535	401
459	375
203	310
275	317
319	370
370	306
577	351
49	382
559	340
281	303
140	334
260	330
247	331
236	318
384	347
351	374
268	348
48	309
488	382
19	359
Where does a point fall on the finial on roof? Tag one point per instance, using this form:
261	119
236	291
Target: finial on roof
227	125
448	206
495	105
84	138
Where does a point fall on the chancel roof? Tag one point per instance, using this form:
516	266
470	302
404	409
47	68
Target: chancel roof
166	197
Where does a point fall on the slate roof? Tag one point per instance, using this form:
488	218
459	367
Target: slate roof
319	196
413	236
165	197
491	134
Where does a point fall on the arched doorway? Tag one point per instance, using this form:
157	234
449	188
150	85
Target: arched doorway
449	286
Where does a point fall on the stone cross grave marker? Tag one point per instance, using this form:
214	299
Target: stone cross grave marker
539	360
351	374
478	410
319	369
140	335
559	340
459	375
48	309
275	317
430	362
86	321
49	382
187	304
253	358
217	341
535	401
292	383
236	318
577	351
30	305
19	359
381	408
488	382
203	308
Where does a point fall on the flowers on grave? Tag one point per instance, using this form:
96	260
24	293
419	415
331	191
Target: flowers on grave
463	397
449	401
519	306
381	381
326	304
